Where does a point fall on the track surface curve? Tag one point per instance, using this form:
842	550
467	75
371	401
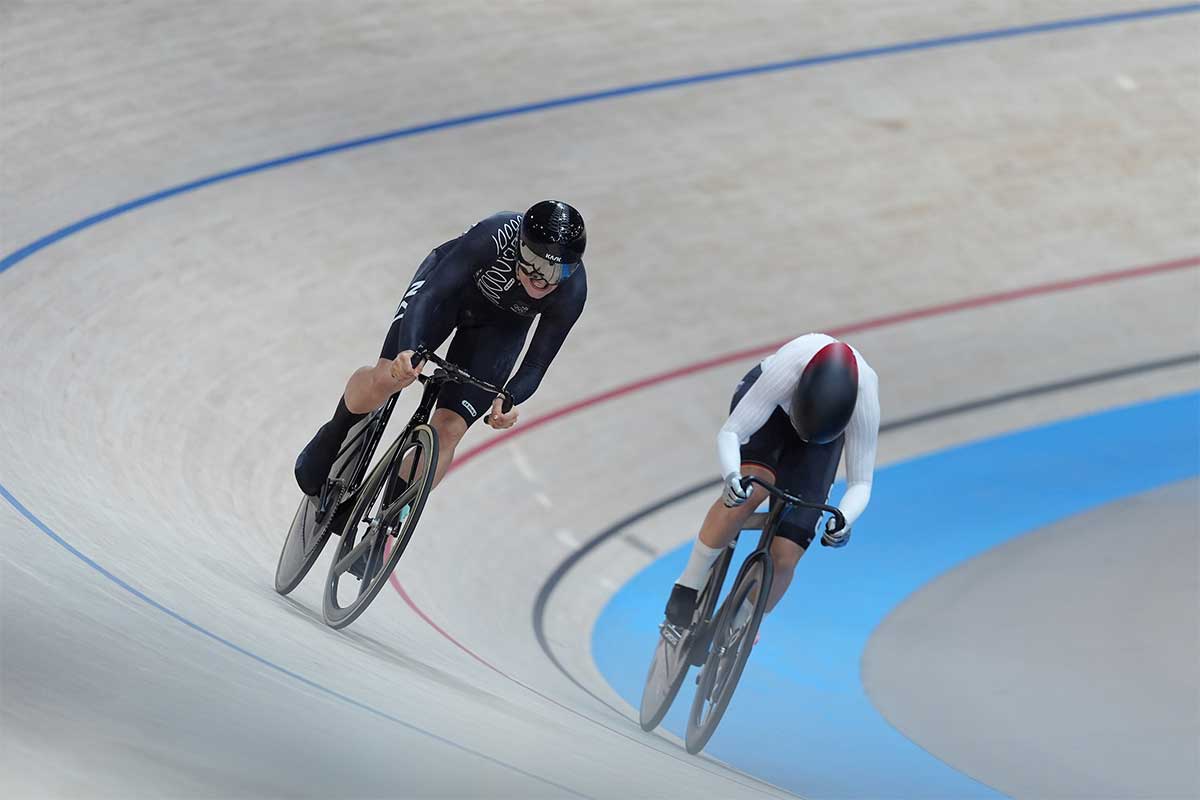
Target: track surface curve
162	368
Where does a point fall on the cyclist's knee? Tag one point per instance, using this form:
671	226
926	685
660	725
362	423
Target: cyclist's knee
759	495
735	516
450	427
370	387
382	381
786	554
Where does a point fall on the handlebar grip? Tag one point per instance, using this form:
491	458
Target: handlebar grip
833	511
420	355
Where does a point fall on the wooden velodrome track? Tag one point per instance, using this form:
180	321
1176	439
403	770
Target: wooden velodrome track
162	365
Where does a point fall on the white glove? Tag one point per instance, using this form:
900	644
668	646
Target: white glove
838	539
734	495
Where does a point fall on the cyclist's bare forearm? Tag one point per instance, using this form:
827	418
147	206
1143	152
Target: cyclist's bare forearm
370	387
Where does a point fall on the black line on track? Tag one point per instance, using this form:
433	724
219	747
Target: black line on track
543	596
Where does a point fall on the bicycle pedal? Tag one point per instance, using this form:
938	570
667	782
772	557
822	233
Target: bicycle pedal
670	633
336	520
698	653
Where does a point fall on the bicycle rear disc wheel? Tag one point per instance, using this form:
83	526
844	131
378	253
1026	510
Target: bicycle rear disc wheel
304	543
670	664
729	652
379	526
307	536
667	671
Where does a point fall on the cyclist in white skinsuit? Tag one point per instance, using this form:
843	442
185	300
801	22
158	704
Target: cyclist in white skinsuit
790	420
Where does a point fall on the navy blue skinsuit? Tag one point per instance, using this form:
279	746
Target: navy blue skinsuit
470	284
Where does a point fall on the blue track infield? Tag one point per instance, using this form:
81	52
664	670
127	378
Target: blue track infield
801	718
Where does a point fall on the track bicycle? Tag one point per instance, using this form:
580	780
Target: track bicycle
719	640
374	513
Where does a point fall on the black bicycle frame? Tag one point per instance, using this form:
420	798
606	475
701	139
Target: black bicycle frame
445	373
370	434
771	519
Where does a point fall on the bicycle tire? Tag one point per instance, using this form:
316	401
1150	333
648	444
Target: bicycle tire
306	538
670	663
722	669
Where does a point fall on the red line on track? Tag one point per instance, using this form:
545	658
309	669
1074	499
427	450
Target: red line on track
404	596
995	298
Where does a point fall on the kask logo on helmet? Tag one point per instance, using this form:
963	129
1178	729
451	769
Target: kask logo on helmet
554	231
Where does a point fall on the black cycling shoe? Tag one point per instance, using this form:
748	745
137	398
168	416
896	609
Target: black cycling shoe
681	606
315	461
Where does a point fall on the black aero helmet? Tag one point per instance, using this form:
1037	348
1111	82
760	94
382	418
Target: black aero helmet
826	394
554	232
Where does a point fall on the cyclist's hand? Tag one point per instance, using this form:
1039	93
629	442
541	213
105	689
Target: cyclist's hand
403	372
835	539
735	494
499	418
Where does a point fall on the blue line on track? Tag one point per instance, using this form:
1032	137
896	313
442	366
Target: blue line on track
25	252
175	615
17	256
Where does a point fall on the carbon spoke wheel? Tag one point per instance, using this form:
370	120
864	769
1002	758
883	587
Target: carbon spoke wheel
379	526
730	649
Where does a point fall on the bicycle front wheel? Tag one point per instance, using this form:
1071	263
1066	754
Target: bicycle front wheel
732	641
379	527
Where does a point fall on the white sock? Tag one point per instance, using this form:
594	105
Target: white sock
695	575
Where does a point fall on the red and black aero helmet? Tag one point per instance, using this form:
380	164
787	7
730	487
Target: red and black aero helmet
826	394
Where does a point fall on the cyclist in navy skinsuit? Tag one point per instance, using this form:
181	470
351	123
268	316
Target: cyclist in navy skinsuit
486	286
